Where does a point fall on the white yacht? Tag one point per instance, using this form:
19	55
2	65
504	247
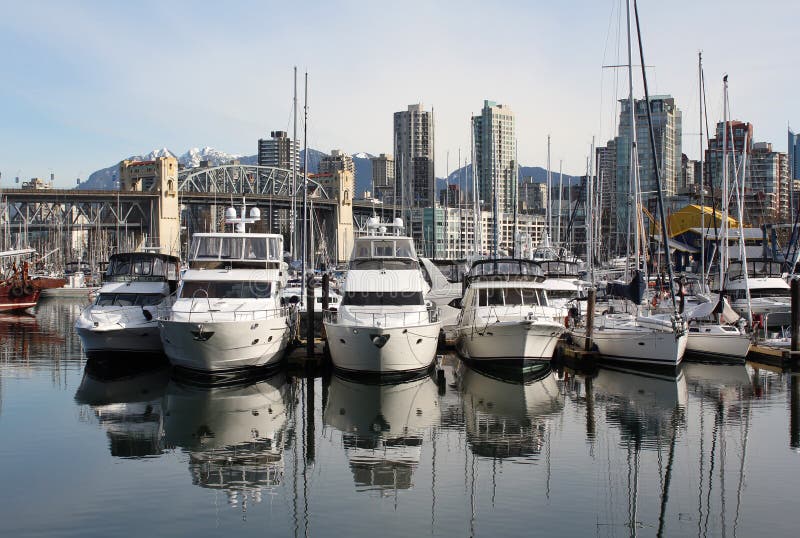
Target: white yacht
721	339
383	324
770	294
123	316
563	283
506	315
228	315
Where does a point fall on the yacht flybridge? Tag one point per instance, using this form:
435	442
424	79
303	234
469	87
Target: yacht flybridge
123	316
383	324
228	315
506	315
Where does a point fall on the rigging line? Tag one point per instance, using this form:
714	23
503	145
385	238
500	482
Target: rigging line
741	466
668	474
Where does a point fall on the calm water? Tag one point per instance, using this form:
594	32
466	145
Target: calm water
88	452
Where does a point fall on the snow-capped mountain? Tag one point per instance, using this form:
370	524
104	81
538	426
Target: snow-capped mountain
106	178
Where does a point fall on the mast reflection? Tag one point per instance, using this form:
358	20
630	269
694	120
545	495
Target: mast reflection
234	434
382	428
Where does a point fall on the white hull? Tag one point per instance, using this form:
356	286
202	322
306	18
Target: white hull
125	329
636	345
225	345
711	341
142	338
382	350
510	340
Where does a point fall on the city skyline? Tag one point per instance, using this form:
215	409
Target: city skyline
89	84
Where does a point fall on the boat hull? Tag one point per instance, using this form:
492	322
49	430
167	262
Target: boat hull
382	350
635	346
17	304
719	346
226	345
139	339
510	341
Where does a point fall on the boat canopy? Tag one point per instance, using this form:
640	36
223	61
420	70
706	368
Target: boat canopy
141	266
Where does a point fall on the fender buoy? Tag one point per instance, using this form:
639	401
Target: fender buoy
15	292
28	289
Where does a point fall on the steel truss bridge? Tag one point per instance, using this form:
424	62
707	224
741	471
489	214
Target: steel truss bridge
199	190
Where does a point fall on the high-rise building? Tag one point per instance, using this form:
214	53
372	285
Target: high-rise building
279	150
533	196
794	155
383	178
413	150
667	120
766	185
495	156
337	160
739	140
607	181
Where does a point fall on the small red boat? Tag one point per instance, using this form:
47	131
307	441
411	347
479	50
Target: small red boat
17	292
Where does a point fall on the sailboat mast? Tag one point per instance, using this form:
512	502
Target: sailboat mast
516	199
560	196
292	149
662	213
549	192
723	252
702	179
305	193
631	146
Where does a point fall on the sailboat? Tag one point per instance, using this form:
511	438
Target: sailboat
636	337
711	332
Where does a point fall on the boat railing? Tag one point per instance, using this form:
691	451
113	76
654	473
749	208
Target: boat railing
217	315
382	319
521	312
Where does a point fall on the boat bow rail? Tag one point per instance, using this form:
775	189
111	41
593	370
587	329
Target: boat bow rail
383	319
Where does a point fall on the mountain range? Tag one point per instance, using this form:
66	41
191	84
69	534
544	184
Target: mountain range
106	178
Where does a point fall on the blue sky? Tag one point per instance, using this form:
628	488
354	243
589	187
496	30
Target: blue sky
85	84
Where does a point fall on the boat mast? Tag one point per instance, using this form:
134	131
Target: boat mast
477	236
723	250
703	283
305	192
560	196
516	199
632	146
292	150
662	214
549	193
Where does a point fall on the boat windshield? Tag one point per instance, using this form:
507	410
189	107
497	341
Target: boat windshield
383	247
505	269
128	299
759	293
382	298
511	297
225	289
235	247
389	264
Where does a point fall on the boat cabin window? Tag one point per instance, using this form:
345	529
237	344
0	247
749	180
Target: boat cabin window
225	289
389	247
128	299
381	298
236	248
759	293
511	297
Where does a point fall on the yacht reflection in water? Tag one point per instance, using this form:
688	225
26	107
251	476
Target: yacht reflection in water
382	428
126	402
647	407
234	434
504	411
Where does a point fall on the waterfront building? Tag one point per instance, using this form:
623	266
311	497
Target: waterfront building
279	151
495	156
766	186
533	196
794	155
447	232
667	124
383	177
337	160
414	162
452	196
606	164
740	141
